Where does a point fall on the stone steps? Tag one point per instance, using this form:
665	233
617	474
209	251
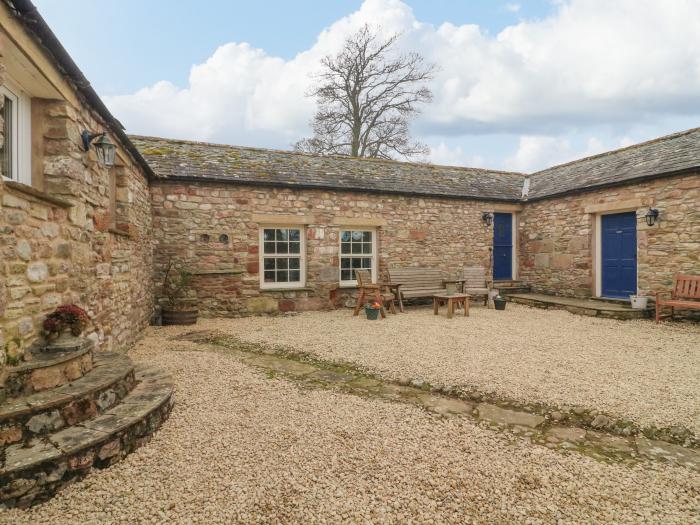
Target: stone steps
32	472
589	307
24	418
45	371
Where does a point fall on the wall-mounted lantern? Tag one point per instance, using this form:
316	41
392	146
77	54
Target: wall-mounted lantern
651	216
487	218
104	149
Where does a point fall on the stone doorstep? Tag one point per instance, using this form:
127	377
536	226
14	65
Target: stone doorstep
97	431
589	307
109	369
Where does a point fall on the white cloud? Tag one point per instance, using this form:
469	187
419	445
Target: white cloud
625	63
454	156
512	8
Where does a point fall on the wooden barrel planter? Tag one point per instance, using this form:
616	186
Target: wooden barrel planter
170	317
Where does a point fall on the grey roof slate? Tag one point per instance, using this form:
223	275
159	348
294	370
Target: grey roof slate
179	159
176	159
665	155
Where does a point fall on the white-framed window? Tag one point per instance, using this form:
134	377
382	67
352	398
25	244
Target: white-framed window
282	256
358	251
15	153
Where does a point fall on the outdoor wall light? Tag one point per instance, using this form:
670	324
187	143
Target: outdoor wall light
487	217
104	149
651	216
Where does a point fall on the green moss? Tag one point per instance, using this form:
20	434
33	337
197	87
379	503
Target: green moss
158	151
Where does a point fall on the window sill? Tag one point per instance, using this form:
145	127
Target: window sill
122	233
230	271
37	194
300	289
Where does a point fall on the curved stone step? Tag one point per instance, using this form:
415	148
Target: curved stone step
23	418
33	473
47	370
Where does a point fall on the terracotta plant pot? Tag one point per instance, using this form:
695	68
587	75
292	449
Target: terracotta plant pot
171	317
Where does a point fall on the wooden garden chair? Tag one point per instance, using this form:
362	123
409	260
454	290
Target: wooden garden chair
367	291
476	282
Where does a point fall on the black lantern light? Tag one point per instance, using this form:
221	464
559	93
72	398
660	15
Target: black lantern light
104	149
651	216
487	217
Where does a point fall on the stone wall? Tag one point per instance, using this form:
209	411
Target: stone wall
80	234
442	233
557	236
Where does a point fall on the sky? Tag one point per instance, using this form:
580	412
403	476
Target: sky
522	85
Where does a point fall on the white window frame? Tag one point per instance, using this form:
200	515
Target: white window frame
341	256
21	130
302	256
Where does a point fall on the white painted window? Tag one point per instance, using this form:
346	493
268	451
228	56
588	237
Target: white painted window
282	257
358	251
15	154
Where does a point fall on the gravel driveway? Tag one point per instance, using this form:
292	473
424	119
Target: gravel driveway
242	448
630	369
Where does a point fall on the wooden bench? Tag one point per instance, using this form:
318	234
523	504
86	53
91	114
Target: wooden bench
418	282
476	282
685	295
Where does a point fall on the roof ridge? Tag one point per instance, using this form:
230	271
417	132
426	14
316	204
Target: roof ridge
618	150
319	155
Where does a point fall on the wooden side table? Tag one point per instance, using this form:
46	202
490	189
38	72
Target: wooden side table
451	300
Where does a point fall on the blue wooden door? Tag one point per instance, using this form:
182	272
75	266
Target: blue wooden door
619	254
502	246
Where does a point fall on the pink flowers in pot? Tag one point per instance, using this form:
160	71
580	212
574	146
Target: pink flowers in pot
67	316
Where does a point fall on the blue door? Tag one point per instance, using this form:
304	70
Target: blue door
619	254
502	246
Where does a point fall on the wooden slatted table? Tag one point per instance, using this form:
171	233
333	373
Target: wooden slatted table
451	300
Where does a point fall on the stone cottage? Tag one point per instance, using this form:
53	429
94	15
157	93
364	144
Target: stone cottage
271	230
91	216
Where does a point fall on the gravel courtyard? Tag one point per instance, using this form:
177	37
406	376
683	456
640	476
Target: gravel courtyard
630	369
240	447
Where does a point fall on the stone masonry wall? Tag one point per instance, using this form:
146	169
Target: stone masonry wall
60	243
557	237
442	233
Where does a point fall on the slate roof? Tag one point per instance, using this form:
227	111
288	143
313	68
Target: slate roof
666	155
179	159
187	160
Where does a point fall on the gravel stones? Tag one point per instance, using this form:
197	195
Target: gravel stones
240	447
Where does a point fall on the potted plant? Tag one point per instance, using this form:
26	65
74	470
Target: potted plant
179	307
64	325
499	302
372	310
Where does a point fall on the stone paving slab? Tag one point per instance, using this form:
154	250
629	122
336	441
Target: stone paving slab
503	416
579	306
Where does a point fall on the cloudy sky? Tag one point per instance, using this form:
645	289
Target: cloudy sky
522	85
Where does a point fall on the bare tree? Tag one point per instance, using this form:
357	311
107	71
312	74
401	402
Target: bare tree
366	97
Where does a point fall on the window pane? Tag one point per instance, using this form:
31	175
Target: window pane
282	235
282	264
269	247
294	263
294	276
269	264
367	263
282	276
346	275
295	235
268	235
367	247
345	247
345	236
6	150
345	262
356	236
367	236
294	247
356	262
356	248
282	247
269	277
